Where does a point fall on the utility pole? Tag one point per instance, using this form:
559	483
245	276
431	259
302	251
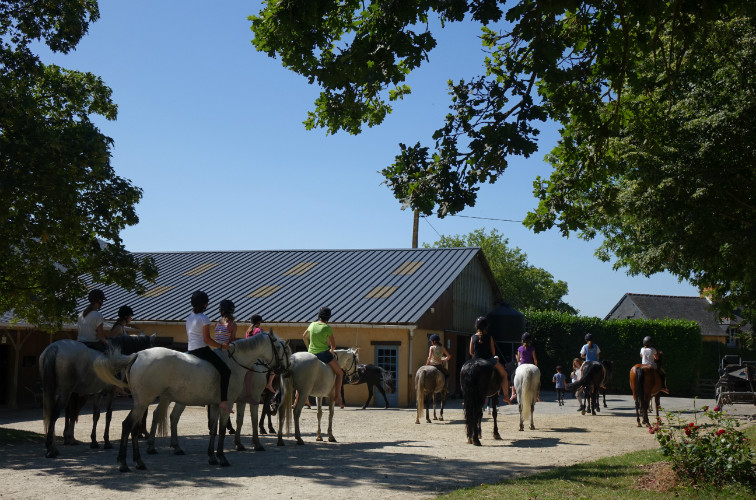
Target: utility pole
415	223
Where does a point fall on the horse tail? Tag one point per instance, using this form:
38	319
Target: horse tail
108	365
473	398
161	416
388	380
287	386
47	369
639	381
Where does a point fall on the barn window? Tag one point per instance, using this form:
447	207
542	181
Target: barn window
300	269
201	269
157	291
407	268
264	291
381	292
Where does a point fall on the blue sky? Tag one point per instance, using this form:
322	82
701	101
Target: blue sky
212	131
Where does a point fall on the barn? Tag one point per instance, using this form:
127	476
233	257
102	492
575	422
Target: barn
386	302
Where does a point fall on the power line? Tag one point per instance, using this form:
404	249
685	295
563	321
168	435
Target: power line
431	226
484	218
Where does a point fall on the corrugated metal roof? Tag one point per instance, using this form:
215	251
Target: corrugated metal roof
296	283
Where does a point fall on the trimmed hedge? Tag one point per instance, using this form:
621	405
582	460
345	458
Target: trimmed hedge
558	338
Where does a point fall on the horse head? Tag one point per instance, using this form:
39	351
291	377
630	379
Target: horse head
348	360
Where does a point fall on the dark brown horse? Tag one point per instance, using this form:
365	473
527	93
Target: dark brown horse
373	376
645	383
479	379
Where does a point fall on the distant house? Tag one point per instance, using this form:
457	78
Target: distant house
386	302
698	309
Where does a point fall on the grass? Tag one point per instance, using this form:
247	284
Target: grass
610	478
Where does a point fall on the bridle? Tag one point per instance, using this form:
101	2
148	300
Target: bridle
281	361
352	367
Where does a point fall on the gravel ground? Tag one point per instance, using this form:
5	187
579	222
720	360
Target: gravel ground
379	453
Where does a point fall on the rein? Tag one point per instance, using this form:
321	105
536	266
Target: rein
353	368
266	367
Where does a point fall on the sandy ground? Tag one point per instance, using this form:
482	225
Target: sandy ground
379	454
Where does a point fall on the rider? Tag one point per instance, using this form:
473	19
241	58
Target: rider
90	322
125	313
649	356
590	352
482	347
321	334
437	355
526	355
198	335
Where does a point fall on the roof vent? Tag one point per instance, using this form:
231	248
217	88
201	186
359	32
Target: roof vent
157	291
408	268
381	292
300	269
264	291
201	269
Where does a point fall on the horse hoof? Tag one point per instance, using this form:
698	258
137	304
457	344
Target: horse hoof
427	420
469	441
55	453
259	448
319	438
124	468
434	418
417	421
582	412
240	447
272	430
140	466
280	443
477	442
263	431
300	442
225	463
532	427
178	451
441	419
331	439
496	436
212	461
94	446
107	446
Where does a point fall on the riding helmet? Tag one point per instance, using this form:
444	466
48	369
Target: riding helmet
96	295
125	311
256	318
527	337
226	307
481	323
199	300
435	338
648	341
324	314
588	337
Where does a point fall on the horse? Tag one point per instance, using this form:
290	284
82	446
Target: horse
374	376
265	397
608	369
187	380
527	382
645	383
479	379
428	382
591	376
310	376
66	370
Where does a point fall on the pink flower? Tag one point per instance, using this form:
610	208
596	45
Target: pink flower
687	431
691	424
720	432
717	408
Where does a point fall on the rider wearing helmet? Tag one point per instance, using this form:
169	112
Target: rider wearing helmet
437	355
320	335
590	352
198	335
125	313
482	347
90	322
526	352
650	356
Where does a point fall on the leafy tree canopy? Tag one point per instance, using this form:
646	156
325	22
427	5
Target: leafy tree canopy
63	207
522	285
656	101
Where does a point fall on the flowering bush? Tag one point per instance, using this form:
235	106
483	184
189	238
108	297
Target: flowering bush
713	451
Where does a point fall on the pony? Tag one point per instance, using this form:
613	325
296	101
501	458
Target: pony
66	368
374	376
428	382
187	380
591	376
527	382
646	384
310	376
479	379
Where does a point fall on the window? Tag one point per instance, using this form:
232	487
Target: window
732	337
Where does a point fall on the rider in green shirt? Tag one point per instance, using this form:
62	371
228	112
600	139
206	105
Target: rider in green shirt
321	335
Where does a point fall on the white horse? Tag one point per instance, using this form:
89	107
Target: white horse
527	382
66	368
312	377
188	380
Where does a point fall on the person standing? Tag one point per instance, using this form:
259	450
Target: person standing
482	347
198	335
90	322
559	380
320	336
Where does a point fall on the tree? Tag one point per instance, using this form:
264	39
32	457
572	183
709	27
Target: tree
612	73
522	285
63	206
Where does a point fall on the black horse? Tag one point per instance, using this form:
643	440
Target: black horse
479	380
591	378
373	376
608	369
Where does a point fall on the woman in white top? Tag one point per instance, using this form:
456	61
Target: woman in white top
90	322
650	356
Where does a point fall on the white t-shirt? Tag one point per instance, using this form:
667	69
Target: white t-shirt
195	324
647	356
88	326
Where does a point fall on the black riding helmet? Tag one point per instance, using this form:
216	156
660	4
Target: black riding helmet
526	337
226	307
124	312
481	324
435	337
199	300
324	314
96	295
588	337
648	341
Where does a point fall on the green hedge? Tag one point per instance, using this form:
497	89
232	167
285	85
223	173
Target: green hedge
559	337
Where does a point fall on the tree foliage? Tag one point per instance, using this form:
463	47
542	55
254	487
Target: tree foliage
63	205
522	285
656	101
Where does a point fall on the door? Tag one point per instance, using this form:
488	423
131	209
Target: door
387	357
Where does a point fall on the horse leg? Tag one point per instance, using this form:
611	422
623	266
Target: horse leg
431	399
53	404
420	401
75	404
385	399
297	413
370	395
212	426
265	411
95	418
255	436
443	403
532	412
495	412
603	394
657	399
220	454
127	427
435	402
320	414
240	408
519	406
178	409
108	417
331	439
594	401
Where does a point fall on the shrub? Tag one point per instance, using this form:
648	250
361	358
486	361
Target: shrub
707	448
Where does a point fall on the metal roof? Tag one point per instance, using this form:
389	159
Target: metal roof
289	286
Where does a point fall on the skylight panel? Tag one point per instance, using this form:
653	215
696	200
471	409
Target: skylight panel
300	269
158	291
264	291
381	292
201	269
408	268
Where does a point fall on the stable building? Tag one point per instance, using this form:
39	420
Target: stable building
385	302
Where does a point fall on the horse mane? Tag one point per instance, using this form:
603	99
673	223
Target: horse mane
249	343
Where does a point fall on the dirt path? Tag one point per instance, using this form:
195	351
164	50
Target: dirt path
380	454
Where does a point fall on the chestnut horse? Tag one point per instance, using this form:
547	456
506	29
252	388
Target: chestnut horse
645	383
